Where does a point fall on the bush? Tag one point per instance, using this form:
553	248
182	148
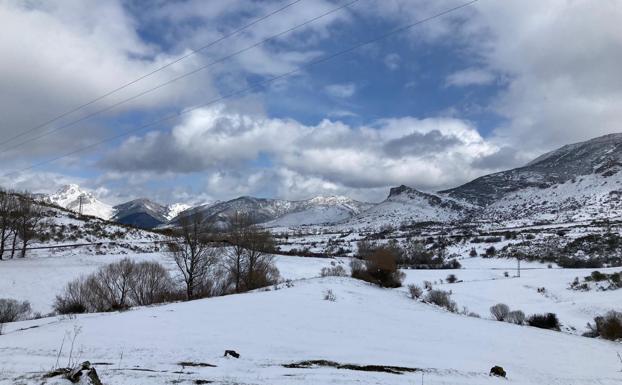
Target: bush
516	317
597	276
379	268
116	286
473	252
491	252
544	321
608	326
12	310
451	278
500	311
415	291
441	298
337	271
427	285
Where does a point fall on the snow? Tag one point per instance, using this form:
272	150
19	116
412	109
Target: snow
68	197
484	285
176	208
39	279
365	325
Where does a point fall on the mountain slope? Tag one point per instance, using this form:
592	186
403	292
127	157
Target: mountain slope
600	156
69	197
278	212
321	210
405	205
145	213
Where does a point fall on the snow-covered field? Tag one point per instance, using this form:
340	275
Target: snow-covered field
365	325
484	285
38	280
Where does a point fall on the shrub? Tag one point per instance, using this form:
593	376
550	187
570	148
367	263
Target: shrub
451	278
441	298
473	252
491	251
337	271
116	286
544	321
500	311
330	296
516	317
597	276
415	291
380	268
608	326
12	310
427	285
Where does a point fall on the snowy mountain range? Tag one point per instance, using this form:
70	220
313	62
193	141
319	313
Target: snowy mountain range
579	181
142	213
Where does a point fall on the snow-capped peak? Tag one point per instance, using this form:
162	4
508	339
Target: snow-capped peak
176	208
70	196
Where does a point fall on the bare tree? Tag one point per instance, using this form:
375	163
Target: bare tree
7	212
248	261
235	251
29	215
193	252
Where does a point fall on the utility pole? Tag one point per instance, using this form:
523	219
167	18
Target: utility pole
80	200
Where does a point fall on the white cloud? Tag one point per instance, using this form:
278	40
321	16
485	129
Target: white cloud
345	90
559	61
470	77
331	156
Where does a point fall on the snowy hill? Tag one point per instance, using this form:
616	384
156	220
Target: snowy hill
274	328
405	205
69	197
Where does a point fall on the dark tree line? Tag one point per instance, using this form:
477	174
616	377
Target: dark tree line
20	217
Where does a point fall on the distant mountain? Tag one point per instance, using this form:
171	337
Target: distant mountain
146	214
580	181
70	196
406	205
278	212
321	210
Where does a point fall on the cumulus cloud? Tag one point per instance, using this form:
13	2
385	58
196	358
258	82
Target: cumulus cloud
331	156
558	60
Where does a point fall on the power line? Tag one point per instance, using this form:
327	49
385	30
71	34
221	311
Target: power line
253	86
125	85
182	76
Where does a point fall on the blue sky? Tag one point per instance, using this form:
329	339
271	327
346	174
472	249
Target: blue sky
482	89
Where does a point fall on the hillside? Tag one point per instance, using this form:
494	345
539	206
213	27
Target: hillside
601	157
406	205
273	328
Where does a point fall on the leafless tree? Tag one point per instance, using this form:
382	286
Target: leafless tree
248	259
234	256
29	215
7	213
193	253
